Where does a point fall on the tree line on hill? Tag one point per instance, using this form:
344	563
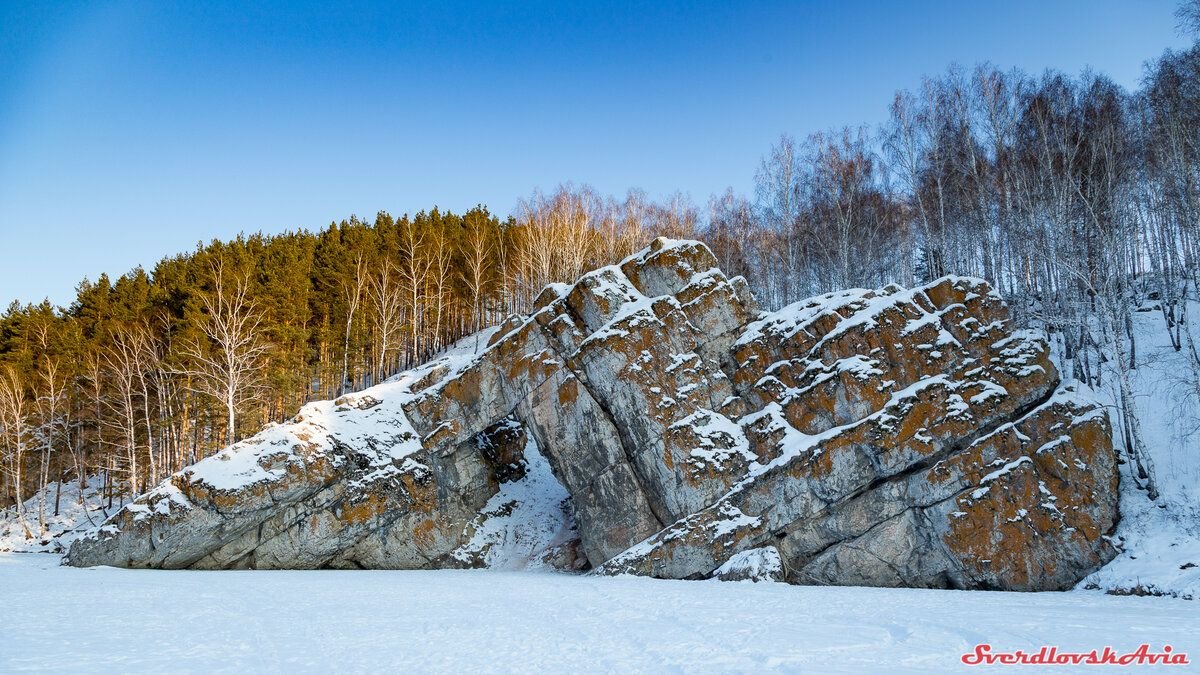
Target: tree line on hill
1078	200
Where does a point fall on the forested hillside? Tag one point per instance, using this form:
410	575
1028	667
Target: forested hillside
1078	200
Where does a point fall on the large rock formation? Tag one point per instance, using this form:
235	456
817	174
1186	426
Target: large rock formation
650	420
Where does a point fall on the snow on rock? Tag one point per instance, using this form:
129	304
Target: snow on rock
648	419
527	524
756	564
298	494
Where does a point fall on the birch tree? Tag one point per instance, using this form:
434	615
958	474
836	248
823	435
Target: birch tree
226	362
353	286
14	432
478	250
387	315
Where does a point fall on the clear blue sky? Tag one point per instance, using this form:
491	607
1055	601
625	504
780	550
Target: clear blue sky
132	130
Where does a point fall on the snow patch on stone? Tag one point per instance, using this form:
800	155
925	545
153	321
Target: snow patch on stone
756	564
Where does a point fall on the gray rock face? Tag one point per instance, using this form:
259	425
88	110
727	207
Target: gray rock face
650	420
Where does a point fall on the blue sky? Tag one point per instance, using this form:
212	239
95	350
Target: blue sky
132	130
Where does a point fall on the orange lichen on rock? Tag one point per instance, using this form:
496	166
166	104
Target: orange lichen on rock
363	509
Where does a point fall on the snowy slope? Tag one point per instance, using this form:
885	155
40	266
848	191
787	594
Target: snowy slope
488	621
75	516
1161	539
371	420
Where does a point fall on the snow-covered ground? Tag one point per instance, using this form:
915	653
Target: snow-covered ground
75	516
1161	539
106	620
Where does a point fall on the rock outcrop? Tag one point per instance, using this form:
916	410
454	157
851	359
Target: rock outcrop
649	419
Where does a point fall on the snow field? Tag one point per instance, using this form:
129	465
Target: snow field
61	619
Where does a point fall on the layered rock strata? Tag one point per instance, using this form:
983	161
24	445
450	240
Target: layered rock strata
649	419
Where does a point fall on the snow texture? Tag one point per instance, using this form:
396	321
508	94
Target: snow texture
756	564
490	621
1160	539
524	521
76	515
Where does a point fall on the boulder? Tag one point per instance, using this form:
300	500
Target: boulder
756	564
649	419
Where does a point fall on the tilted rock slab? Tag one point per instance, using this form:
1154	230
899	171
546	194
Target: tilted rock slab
649	419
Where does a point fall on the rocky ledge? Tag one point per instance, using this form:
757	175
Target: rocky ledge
649	419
